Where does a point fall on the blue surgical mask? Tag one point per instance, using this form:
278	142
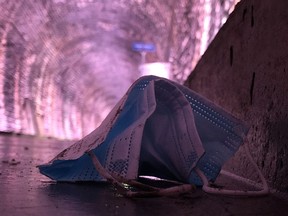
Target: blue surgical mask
159	128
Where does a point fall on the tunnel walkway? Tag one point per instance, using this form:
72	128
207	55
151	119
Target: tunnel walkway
24	191
64	64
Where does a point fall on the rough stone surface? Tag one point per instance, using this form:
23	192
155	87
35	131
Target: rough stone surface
245	70
25	192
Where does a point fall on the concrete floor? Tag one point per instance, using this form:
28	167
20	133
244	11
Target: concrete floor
24	191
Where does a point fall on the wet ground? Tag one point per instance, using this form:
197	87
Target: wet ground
24	191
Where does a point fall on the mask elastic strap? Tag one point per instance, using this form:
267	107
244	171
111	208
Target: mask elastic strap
264	189
123	185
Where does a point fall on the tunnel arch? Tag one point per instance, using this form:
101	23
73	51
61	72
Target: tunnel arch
64	64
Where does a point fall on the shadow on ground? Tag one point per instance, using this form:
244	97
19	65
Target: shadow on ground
24	191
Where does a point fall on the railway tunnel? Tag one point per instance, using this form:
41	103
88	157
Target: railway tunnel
65	64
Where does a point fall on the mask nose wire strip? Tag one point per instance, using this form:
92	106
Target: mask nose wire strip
264	191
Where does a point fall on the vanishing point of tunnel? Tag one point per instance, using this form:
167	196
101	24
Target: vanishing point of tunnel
64	64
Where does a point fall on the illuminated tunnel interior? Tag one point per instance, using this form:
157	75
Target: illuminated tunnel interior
64	64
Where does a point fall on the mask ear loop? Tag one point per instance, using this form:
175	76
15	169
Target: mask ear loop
264	191
121	183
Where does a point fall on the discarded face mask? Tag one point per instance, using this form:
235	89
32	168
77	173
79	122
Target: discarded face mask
159	128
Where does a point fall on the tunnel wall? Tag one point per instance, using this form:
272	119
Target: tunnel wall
245	70
65	63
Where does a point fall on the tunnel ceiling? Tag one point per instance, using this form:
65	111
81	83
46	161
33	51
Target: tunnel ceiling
64	64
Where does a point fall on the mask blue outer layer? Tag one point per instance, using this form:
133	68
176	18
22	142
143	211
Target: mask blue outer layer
82	169
220	133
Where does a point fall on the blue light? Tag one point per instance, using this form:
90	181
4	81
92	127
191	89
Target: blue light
146	47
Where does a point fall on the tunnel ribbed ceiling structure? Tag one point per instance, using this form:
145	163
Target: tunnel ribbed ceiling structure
65	63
